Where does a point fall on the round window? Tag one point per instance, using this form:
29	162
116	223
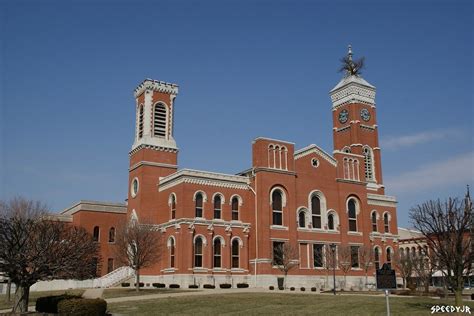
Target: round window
134	187
314	162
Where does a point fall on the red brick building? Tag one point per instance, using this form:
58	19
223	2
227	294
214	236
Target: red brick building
223	228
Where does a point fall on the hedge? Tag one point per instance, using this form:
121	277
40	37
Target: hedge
302	289
209	286
82	307
125	284
49	304
225	286
313	289
242	285
271	287
159	285
174	286
292	288
141	284
193	286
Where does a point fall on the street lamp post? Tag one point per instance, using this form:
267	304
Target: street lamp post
333	249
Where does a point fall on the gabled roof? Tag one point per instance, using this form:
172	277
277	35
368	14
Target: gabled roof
313	148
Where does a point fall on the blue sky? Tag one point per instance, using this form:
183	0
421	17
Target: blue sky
245	69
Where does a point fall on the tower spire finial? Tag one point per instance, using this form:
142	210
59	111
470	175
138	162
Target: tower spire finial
349	52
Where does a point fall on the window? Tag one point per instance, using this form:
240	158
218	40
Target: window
278	253
199	205
140	122
316	211
235	208
377	258
302	219
95	265
198	252
134	187
389	257
235	253
331	221
369	164
110	265
354	256
172	252
173	206
318	255
112	234
374	221
95	234
159	120
277	204
385	223
217	207
217	253
351	205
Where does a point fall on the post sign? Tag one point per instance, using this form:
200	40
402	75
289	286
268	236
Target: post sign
386	278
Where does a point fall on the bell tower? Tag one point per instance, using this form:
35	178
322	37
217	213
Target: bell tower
154	153
355	128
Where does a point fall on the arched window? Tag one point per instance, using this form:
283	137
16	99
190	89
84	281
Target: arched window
402	253
385	223
198	252
377	258
346	150
235	208
95	234
217	253
199	205
217	206
159	120
369	164
112	234
352	214
235	253
277	205
389	256
374	221
331	225
316	211
301	219
173	206
172	252
140	122
413	252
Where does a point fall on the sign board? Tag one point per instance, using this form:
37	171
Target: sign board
386	278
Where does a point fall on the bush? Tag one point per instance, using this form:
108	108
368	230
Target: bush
125	284
174	286
141	284
242	285
302	289
209	286
82	307
49	304
271	287
313	289
159	285
292	288
225	286
193	286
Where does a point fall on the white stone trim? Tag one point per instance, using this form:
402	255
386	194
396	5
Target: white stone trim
156	85
239	198
95	206
138	147
204	178
381	200
272	140
313	148
352	89
152	164
222	199
199	222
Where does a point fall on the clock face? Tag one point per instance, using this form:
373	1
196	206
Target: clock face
365	114
343	116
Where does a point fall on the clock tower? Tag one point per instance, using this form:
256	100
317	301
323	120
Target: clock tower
355	128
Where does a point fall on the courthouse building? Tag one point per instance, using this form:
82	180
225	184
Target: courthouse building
224	228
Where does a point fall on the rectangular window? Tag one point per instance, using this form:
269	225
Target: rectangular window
278	253
277	218
355	256
352	225
235	215
198	211
316	221
318	255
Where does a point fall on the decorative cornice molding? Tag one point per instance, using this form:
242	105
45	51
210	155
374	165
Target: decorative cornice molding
342	129
290	173
272	140
157	148
192	222
351	181
95	206
381	200
152	164
313	148
371	128
204	178
156	85
353	91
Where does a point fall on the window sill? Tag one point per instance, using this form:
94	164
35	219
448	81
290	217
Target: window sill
199	269
218	270
169	270
278	227
354	233
318	230
237	270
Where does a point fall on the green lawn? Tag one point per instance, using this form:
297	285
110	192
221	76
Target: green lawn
279	304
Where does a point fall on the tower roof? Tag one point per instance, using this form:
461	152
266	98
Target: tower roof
352	79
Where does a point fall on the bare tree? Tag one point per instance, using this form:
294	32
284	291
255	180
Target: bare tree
424	266
137	246
446	227
404	264
345	260
35	247
285	257
351	67
366	260
330	263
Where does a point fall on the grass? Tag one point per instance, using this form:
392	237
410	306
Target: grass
279	304
108	293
